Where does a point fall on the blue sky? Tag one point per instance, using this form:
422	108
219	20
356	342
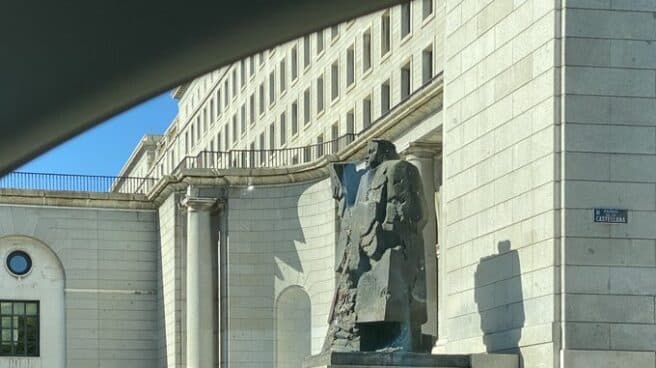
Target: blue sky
104	149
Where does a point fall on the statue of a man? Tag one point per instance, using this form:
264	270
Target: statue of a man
379	303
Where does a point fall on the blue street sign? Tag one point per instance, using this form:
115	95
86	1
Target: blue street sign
611	215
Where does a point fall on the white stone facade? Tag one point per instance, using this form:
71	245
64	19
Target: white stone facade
95	276
533	113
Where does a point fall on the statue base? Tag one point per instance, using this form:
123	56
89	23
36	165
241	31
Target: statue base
409	360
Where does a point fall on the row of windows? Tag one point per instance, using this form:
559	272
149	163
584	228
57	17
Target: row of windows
246	117
248	64
366	121
248	110
286	71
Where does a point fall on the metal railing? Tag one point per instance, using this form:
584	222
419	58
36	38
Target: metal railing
75	183
265	158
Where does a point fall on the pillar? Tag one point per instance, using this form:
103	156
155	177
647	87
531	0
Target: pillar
200	291
422	155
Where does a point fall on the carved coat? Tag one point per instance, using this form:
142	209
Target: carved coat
389	216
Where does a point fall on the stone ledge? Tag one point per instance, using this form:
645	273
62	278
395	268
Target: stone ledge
407	360
74	199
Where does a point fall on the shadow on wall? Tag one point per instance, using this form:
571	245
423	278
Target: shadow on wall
498	296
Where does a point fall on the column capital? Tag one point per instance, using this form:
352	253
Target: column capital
199	204
423	150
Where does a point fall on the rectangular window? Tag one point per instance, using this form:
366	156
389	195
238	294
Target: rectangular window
211	111
235	133
350	66
218	102
406	19
226	94
385	34
320	145
385	97
243	116
219	142
262	148
252	108
350	126
226	137
334	135
307	154
334	32
319	42
306	107
197	128
427	8
406	81
366	112
252	65
242	79
366	51
283	77
306	51
251	155
20	328
262	98
283	129
320	100
334	81
272	136
294	63
234	82
427	65
294	118
272	88
204	119
186	142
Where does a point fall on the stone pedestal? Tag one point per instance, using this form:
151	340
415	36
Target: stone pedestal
410	360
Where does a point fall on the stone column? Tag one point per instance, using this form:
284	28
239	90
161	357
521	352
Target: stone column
200	291
422	155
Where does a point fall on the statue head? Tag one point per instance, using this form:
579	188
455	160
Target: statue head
380	150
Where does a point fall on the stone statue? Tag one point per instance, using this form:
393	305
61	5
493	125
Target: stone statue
379	302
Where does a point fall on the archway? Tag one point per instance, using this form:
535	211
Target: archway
293	327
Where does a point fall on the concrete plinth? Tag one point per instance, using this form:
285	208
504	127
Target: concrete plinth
410	360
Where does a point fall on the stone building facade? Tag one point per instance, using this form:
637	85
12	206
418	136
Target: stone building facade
216	246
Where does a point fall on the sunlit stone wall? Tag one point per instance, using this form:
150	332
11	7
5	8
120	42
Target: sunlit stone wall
279	237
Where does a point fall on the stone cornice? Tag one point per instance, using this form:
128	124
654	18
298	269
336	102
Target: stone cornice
199	204
52	198
423	149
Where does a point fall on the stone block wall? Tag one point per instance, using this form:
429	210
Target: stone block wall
281	243
172	263
500	180
610	156
109	258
